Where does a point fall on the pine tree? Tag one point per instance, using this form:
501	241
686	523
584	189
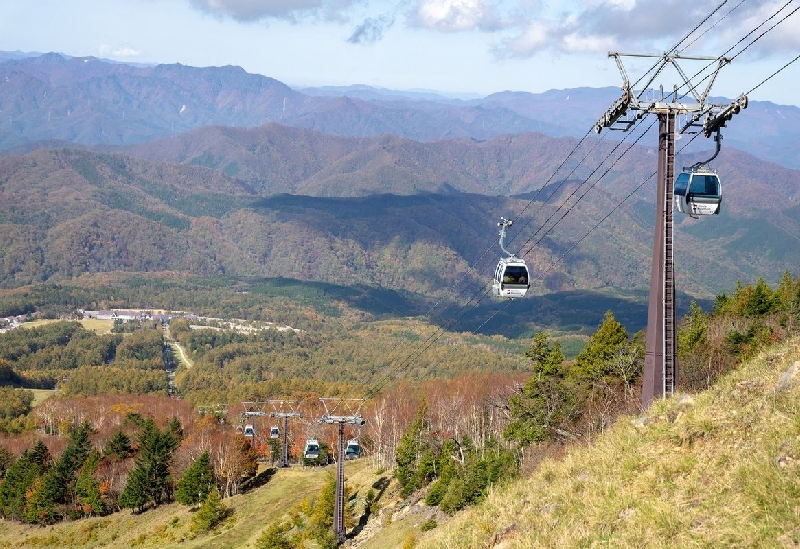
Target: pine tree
118	446
594	361
150	479
412	452
211	513
87	488
197	482
136	493
20	477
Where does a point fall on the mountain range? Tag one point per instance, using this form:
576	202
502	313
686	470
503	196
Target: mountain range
113	167
90	101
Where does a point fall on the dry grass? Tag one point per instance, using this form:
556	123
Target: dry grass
718	469
95	324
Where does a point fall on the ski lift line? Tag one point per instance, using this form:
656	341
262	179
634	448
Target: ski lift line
720	60
771	76
424	346
760	36
615	208
732	48
608	169
563	182
570	207
438	334
709	29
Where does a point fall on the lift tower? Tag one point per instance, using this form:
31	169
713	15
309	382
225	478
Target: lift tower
349	412
284	409
661	369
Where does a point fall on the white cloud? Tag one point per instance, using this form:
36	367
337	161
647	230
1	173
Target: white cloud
259	10
458	15
118	51
536	37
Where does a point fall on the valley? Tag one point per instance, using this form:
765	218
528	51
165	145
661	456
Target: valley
183	248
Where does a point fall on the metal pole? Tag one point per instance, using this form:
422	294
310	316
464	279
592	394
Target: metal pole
338	507
285	446
660	367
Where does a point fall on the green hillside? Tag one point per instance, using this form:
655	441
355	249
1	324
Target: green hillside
715	469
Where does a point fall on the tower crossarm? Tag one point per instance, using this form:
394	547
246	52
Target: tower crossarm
631	106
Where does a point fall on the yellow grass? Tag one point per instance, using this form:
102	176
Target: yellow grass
719	469
99	326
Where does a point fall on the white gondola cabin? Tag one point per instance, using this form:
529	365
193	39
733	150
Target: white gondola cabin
698	192
353	450
274	432
511	278
311	450
249	431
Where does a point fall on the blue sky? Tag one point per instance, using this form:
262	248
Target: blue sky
451	46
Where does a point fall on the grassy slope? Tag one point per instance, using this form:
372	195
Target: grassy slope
168	525
719	469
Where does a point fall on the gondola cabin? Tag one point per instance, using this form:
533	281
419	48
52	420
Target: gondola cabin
274	432
698	192
353	450
249	431
311	450
511	278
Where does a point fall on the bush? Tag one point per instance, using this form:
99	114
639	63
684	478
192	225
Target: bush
211	513
276	536
429	524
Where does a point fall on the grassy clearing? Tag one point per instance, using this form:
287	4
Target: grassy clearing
40	395
718	469
97	325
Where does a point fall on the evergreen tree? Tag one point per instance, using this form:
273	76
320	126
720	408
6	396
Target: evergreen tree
547	400
136	493
197	482
414	457
54	490
150	479
87	488
118	446
6	459
595	360
276	536
211	513
20	477
693	330
547	358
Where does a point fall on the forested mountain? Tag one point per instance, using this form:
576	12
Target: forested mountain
237	185
95	102
65	212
